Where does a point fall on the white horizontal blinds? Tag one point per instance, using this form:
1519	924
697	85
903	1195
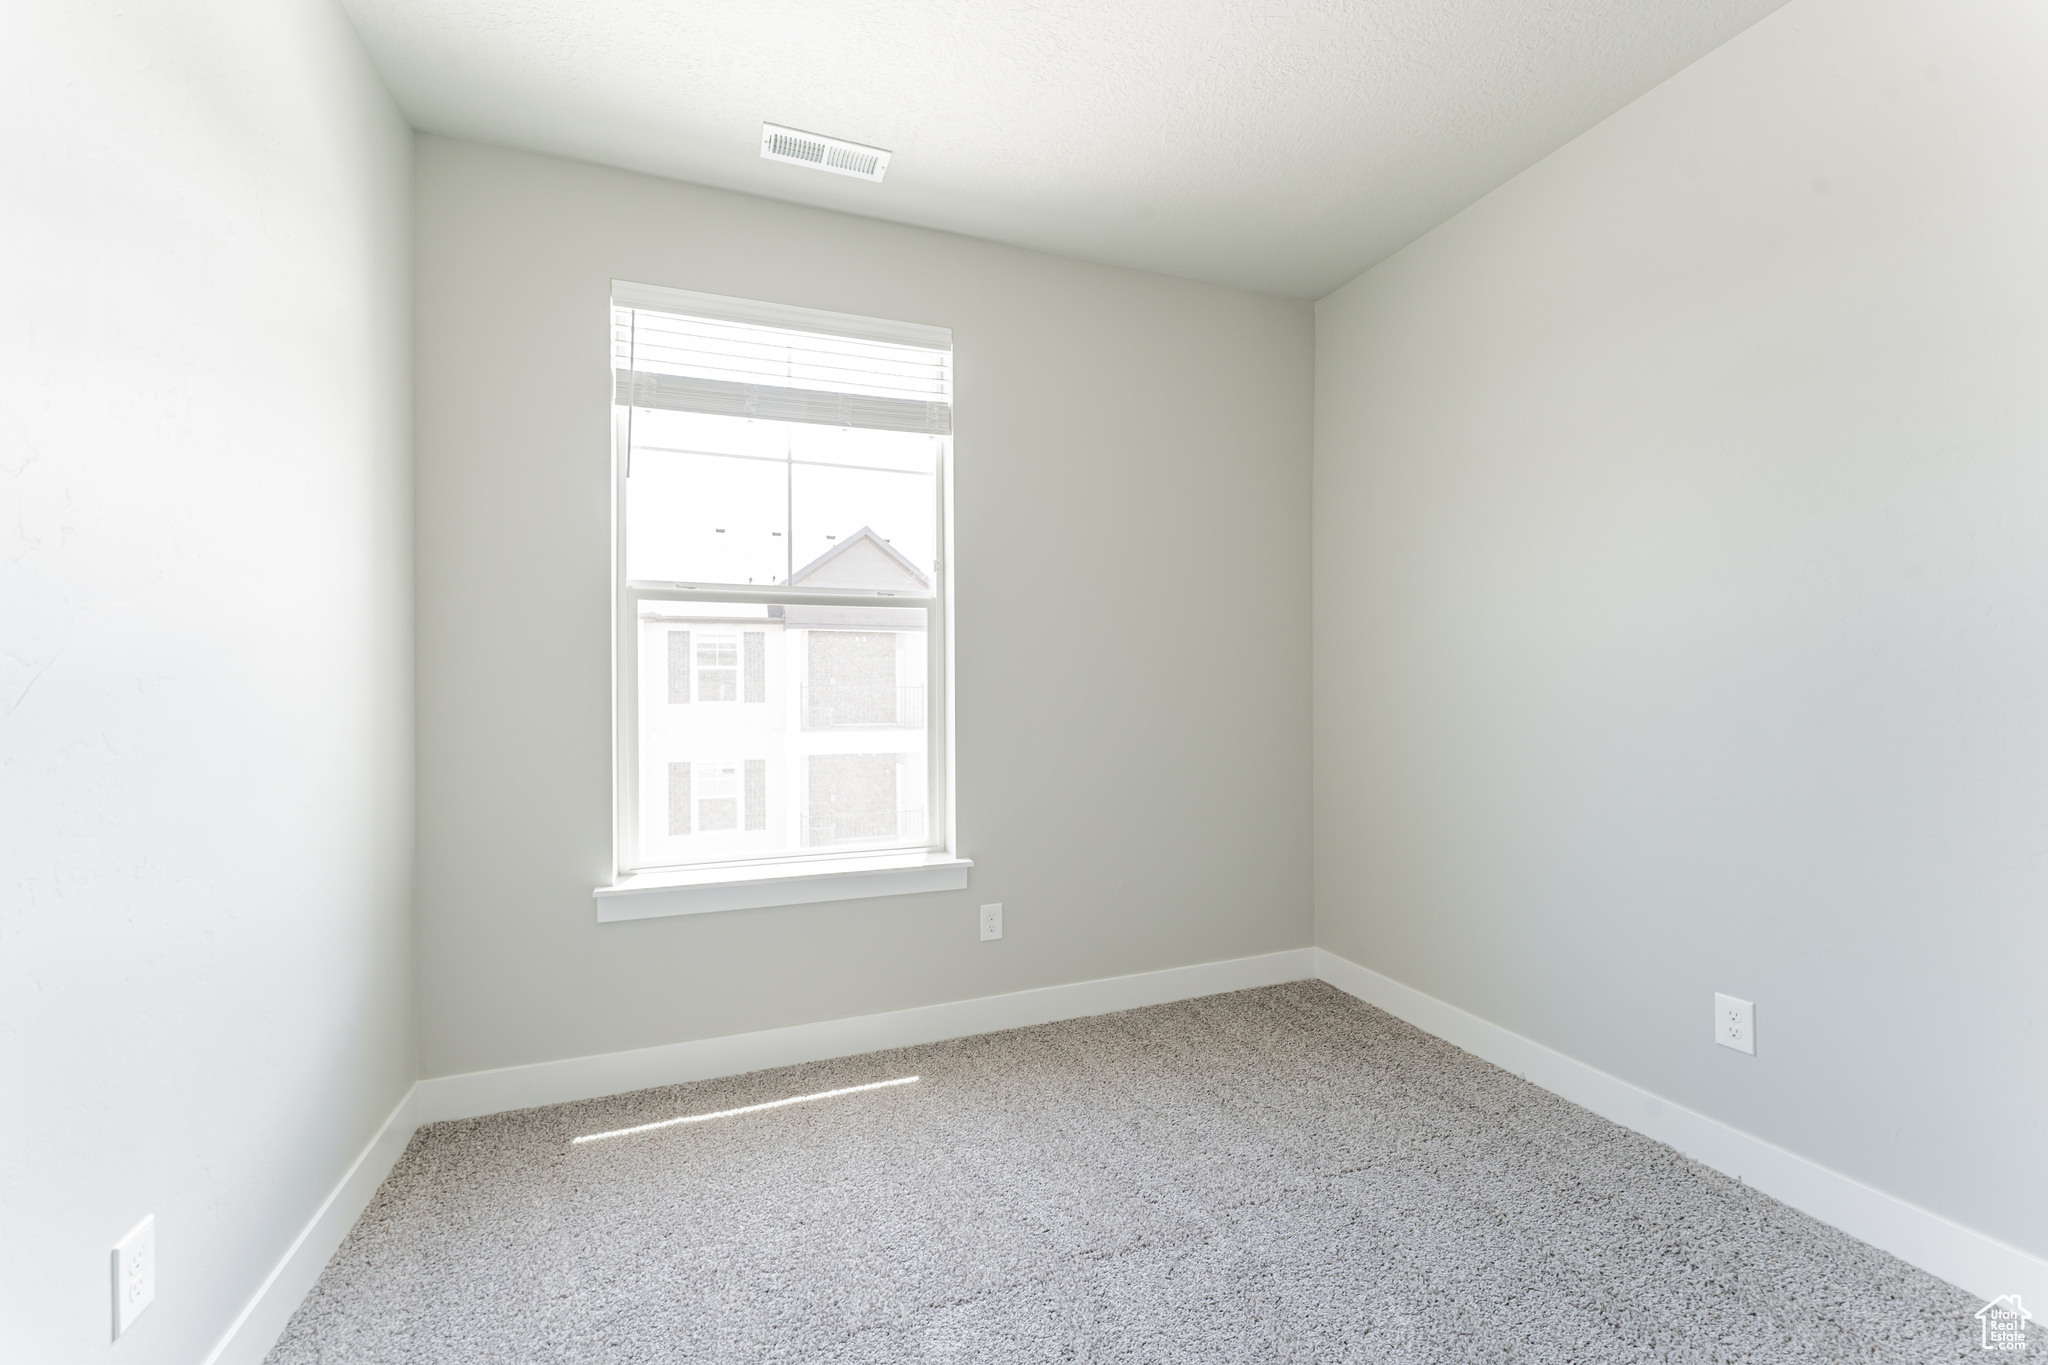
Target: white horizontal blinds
713	359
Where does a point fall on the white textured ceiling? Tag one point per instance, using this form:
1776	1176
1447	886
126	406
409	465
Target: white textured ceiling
1283	145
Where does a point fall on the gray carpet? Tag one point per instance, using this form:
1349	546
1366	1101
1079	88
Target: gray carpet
1273	1175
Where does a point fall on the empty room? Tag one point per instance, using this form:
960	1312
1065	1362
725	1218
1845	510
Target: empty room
1152	681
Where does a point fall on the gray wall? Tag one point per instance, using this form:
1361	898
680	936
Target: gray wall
1132	567
1682	599
205	650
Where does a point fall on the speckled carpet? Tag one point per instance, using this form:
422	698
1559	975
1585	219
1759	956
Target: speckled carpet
1282	1174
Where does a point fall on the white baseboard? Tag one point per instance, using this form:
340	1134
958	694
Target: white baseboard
262	1322
1969	1260
581	1078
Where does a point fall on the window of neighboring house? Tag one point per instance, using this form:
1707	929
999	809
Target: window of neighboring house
716	790
856	798
709	798
718	667
853	680
780	526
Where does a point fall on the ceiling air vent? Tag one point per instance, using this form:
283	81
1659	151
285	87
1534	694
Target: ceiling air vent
823	153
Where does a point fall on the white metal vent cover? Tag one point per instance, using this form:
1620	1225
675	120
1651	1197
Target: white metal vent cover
822	153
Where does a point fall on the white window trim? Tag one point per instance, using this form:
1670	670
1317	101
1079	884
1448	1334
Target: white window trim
797	879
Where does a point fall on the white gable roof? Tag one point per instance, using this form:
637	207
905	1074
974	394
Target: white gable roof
862	560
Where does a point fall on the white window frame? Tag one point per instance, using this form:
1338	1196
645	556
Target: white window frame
801	876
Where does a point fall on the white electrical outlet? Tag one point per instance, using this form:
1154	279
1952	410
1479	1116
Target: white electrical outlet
134	1274
1735	1023
991	922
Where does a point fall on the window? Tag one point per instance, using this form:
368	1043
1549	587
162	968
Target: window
781	517
717	787
705	798
718	667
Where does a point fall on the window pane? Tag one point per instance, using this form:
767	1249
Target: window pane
733	500
803	728
707	499
844	482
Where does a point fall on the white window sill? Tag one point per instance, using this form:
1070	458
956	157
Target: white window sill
698	891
